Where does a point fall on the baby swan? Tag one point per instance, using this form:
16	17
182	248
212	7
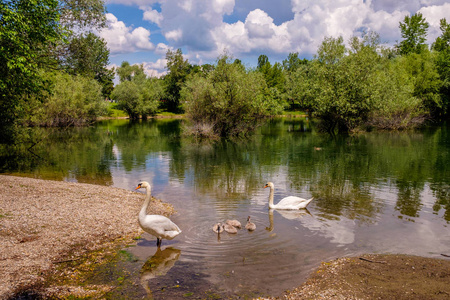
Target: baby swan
218	228
234	223
250	226
229	228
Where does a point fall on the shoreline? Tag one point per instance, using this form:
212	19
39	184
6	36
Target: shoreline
44	223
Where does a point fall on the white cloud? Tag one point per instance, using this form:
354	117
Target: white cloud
263	27
155	69
152	15
123	39
433	15
223	6
161	49
259	24
174	35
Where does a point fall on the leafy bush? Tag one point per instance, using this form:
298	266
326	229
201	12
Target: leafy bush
347	88
228	101
74	101
138	97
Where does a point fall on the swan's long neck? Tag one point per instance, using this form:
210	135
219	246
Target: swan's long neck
271	198
143	211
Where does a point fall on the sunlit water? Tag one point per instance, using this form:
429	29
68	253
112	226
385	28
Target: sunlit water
375	193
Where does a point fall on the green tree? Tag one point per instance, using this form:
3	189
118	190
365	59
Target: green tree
82	15
273	75
414	33
137	95
178	69
347	91
229	101
293	62
426	80
342	85
442	42
88	55
127	72
331	51
442	46
27	29
74	100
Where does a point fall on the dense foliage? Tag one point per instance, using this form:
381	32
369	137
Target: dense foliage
27	29
38	38
136	94
228	101
74	100
48	48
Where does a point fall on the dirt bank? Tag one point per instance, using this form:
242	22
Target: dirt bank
43	223
378	277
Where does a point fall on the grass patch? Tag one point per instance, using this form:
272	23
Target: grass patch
114	112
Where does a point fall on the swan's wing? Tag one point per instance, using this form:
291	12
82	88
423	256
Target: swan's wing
160	223
292	202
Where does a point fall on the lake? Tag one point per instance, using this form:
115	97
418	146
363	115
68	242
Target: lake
384	192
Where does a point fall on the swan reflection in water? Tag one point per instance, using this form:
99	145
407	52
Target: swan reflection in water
287	214
158	265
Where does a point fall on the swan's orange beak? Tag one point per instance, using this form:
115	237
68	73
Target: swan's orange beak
138	187
265	186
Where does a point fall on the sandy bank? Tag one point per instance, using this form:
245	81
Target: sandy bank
43	222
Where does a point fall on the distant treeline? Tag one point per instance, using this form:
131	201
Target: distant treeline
53	73
358	85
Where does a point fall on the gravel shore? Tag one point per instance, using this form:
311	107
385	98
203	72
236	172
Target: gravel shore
44	222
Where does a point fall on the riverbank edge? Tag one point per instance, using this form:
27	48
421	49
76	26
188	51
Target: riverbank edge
44	223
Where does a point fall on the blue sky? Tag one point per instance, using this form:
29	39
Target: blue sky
141	31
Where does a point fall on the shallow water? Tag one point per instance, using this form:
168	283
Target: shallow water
377	193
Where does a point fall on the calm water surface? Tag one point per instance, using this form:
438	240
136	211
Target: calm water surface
377	193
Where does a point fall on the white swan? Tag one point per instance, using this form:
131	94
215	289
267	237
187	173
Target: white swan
234	223
291	202
250	226
159	226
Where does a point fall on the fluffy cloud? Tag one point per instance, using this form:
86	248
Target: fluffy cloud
433	15
123	39
155	69
152	15
205	28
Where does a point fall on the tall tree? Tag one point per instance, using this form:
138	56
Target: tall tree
414	33
127	72
331	51
88	55
263	60
136	94
27	29
442	46
293	62
272	74
178	69
442	42
82	15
